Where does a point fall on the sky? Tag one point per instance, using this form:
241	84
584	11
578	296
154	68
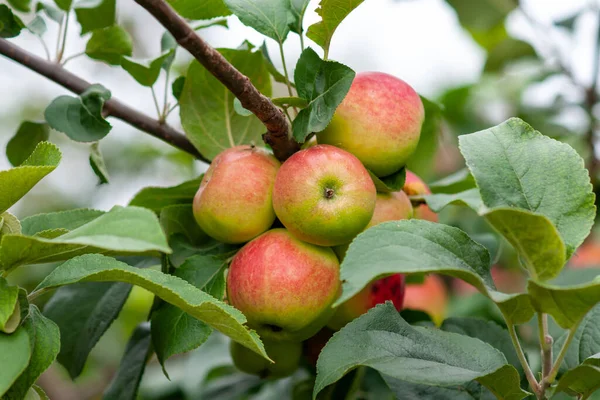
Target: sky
419	41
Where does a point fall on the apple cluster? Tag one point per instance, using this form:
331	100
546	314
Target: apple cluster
285	279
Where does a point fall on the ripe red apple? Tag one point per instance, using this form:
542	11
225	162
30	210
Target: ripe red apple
379	121
388	207
431	297
284	286
286	357
414	186
586	256
234	202
507	280
324	195
377	292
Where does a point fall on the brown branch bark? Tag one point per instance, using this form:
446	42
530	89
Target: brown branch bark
277	137
113	107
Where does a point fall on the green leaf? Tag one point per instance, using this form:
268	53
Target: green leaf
9	224
97	163
52	12
277	76
568	305
173	290
390	183
16	182
80	118
422	159
298	8
177	87
409	391
93	15
382	340
92	307
507	51
482	15
469	198
20	5
64	5
45	344
290	102
517	167
206	106
109	45
418	246
68	220
10	24
9	307
584	344
205	9
123	230
332	13
145	73
157	198
324	84
457	182
582	380
272	18
127	379
239	108
15	353
174	331
37	26
569	22
179	219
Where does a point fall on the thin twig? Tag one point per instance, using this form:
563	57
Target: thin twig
545	344
528	373
561	355
72	57
277	137
46	49
63	45
113	107
158	113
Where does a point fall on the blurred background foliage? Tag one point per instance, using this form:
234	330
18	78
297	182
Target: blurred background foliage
476	62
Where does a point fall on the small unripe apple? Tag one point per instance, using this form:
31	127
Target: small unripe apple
324	195
284	286
286	357
431	297
234	202
390	288
388	207
379	121
414	186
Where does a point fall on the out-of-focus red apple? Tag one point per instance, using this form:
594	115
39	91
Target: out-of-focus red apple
377	292
414	186
284	286
507	280
379	121
324	195
234	202
431	297
587	255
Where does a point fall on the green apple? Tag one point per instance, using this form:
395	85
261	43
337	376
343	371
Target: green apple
285	287
234	202
286	357
379	121
324	195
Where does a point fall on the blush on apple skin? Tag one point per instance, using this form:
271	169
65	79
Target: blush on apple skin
586	256
414	186
431	297
324	195
379	121
234	201
285	287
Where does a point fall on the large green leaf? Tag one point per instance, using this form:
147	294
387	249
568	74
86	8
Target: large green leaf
45	338
68	220
411	391
81	118
417	247
123	230
459	181
179	220
145	72
9	307
469	198
332	14
93	306
585	342
157	198
97	163
174	331
482	15
298	10
9	224
517	167
109	45
324	84
16	182
173	290
28	136
15	352
203	9
20	5
95	14
272	18
582	380
127	379
382	340
10	24
507	51
206	106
